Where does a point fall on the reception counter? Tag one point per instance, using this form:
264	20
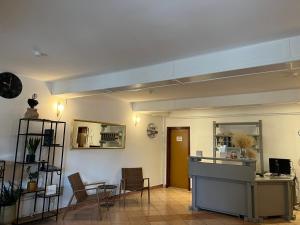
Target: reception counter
231	187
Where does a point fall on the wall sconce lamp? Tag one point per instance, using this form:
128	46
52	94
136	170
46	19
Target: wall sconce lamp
136	120
59	109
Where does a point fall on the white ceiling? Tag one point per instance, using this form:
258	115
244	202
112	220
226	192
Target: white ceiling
265	82
98	36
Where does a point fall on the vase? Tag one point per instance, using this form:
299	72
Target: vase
251	154
8	214
31	186
242	153
30	158
31	114
48	139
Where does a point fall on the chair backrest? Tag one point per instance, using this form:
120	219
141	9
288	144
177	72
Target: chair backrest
77	184
133	178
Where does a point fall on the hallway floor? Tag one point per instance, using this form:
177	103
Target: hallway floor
168	207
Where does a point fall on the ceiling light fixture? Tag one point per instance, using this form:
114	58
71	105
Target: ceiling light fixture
38	53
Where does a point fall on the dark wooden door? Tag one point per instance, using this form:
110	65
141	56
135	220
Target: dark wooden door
178	153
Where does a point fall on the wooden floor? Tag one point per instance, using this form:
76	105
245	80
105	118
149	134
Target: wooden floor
168	207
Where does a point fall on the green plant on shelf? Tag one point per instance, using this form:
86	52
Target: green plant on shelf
32	145
32	175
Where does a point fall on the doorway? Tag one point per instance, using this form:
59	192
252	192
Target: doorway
178	151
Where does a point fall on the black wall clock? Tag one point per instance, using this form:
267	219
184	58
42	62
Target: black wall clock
10	85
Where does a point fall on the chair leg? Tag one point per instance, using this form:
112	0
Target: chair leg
142	193
120	192
124	196
65	212
68	207
99	204
99	211
108	200
148	195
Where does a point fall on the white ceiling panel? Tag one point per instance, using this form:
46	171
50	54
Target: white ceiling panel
87	37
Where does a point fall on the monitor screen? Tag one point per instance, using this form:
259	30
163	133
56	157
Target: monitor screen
280	166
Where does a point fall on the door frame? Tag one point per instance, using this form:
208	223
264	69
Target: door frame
168	163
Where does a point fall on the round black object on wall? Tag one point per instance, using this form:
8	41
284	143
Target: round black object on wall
10	85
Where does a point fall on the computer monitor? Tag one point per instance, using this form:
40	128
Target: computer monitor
280	166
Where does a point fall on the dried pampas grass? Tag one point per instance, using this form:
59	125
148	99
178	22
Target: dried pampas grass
242	140
251	154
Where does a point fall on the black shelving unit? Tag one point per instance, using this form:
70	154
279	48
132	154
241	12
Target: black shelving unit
49	162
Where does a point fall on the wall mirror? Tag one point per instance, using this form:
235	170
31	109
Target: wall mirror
98	135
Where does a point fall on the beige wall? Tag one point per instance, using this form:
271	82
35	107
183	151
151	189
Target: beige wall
280	133
105	164
94	165
280	128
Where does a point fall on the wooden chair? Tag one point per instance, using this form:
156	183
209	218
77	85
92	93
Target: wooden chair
80	193
133	180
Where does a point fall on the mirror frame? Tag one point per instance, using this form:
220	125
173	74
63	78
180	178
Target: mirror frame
73	132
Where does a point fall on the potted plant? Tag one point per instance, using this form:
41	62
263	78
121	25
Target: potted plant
8	199
32	145
32	183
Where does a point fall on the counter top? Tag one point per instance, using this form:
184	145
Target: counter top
222	159
274	179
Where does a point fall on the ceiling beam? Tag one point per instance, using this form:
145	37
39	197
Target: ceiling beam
274	97
266	53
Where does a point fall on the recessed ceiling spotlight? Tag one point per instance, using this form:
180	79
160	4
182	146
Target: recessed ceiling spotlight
38	53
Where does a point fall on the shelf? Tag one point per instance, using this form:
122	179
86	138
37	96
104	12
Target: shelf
28	163
236	149
223	134
59	191
51	169
238	124
29	219
42	120
33	134
36	120
25	131
53	145
230	135
41	195
24	192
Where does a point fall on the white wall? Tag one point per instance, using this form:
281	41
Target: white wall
106	165
280	133
11	110
94	165
280	128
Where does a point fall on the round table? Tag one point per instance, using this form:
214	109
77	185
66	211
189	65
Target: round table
113	192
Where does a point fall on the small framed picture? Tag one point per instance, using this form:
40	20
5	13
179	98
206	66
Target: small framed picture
51	189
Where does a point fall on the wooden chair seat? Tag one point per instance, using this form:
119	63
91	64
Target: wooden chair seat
133	180
81	195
